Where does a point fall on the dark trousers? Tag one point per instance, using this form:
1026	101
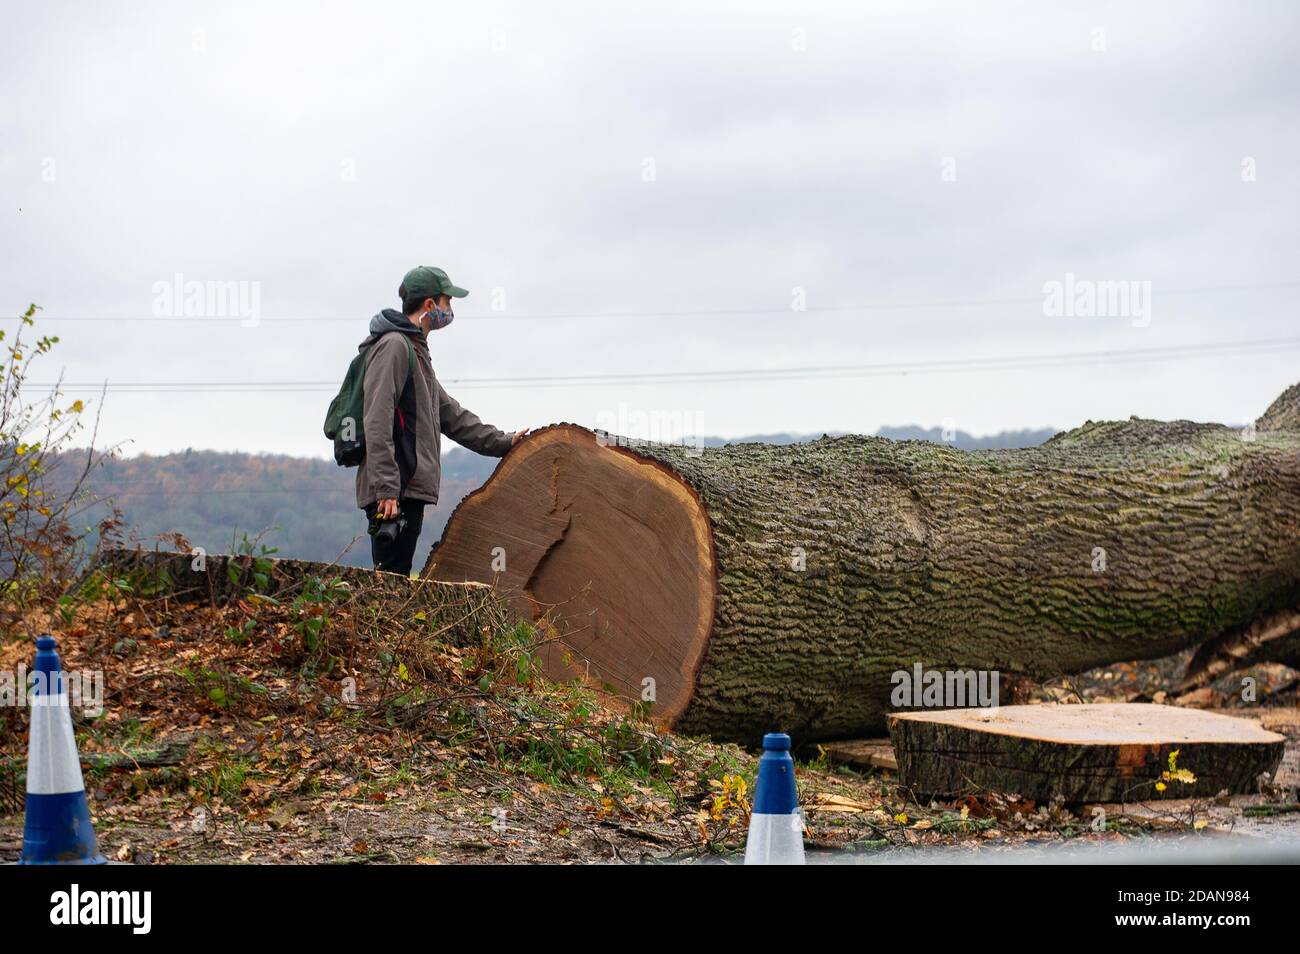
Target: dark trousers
396	557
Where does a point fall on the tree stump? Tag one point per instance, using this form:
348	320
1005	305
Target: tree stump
1083	753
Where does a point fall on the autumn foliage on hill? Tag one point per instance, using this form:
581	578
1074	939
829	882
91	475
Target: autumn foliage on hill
302	507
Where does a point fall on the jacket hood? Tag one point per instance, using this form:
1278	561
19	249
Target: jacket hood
390	319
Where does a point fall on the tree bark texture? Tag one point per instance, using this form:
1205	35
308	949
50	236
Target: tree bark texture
753	587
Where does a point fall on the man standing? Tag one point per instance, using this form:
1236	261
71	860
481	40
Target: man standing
405	408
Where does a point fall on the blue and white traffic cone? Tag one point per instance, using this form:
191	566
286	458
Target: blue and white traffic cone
58	829
775	824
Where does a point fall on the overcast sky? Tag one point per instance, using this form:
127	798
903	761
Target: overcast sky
718	164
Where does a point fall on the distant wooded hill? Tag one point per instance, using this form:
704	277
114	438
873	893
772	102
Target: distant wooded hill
307	505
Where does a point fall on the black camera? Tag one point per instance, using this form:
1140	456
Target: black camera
386	532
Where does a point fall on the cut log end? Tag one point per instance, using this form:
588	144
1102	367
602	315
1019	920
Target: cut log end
754	587
614	548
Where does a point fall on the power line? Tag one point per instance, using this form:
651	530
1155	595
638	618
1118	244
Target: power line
677	313
104	495
163	491
939	366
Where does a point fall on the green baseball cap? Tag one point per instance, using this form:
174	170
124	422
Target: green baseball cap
425	281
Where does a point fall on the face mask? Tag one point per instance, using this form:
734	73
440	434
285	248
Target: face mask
440	318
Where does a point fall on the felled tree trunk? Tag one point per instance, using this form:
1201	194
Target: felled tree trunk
754	587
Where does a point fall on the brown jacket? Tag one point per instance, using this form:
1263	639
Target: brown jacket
404	414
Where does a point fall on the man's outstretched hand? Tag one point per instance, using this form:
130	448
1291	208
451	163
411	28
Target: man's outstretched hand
518	436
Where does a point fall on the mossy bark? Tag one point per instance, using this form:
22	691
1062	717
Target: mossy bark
842	561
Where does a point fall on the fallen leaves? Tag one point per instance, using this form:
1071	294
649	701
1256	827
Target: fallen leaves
291	773
1174	773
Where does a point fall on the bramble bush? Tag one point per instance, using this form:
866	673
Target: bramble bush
42	479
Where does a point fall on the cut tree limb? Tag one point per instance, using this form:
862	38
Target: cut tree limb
754	587
863	754
172	752
1082	753
1273	637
